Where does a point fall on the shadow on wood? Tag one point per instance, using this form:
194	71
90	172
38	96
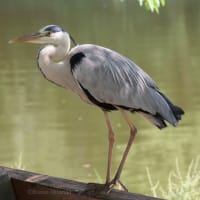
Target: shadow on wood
22	185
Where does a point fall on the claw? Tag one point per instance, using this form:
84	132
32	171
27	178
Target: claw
123	186
114	183
95	188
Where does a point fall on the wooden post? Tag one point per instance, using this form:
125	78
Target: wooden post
31	186
6	190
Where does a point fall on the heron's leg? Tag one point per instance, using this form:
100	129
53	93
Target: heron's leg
133	132
111	140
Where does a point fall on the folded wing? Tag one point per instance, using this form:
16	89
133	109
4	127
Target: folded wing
112	81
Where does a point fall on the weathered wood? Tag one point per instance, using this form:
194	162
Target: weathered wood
32	186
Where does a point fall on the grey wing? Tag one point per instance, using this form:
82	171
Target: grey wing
110	78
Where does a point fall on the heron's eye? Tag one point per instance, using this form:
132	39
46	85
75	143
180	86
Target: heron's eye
48	34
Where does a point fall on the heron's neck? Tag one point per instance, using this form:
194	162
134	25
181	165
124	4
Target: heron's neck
51	61
55	53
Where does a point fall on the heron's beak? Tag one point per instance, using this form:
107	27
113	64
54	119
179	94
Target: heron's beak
27	38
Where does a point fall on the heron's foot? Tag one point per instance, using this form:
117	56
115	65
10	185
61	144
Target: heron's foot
115	182
96	188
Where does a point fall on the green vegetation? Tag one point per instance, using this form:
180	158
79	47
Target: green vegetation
18	164
152	5
180	187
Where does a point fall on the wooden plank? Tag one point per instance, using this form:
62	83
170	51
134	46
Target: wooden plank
32	186
34	191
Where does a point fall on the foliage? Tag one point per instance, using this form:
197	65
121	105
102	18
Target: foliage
18	164
152	5
179	187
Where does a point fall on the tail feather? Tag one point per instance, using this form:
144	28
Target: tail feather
159	119
166	111
177	111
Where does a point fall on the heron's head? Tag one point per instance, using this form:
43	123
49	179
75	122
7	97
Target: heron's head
51	34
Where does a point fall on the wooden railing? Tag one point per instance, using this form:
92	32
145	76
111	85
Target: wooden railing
23	185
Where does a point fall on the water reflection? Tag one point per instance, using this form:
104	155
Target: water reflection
58	134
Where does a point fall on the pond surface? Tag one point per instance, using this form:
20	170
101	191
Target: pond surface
49	130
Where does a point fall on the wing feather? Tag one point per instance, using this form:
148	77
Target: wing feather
114	79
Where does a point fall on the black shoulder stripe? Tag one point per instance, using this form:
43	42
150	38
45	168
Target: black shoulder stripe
111	107
103	106
76	59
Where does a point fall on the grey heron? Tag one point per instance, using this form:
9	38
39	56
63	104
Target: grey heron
104	78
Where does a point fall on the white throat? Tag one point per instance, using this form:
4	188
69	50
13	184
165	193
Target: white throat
52	62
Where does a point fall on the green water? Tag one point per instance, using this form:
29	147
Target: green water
56	133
